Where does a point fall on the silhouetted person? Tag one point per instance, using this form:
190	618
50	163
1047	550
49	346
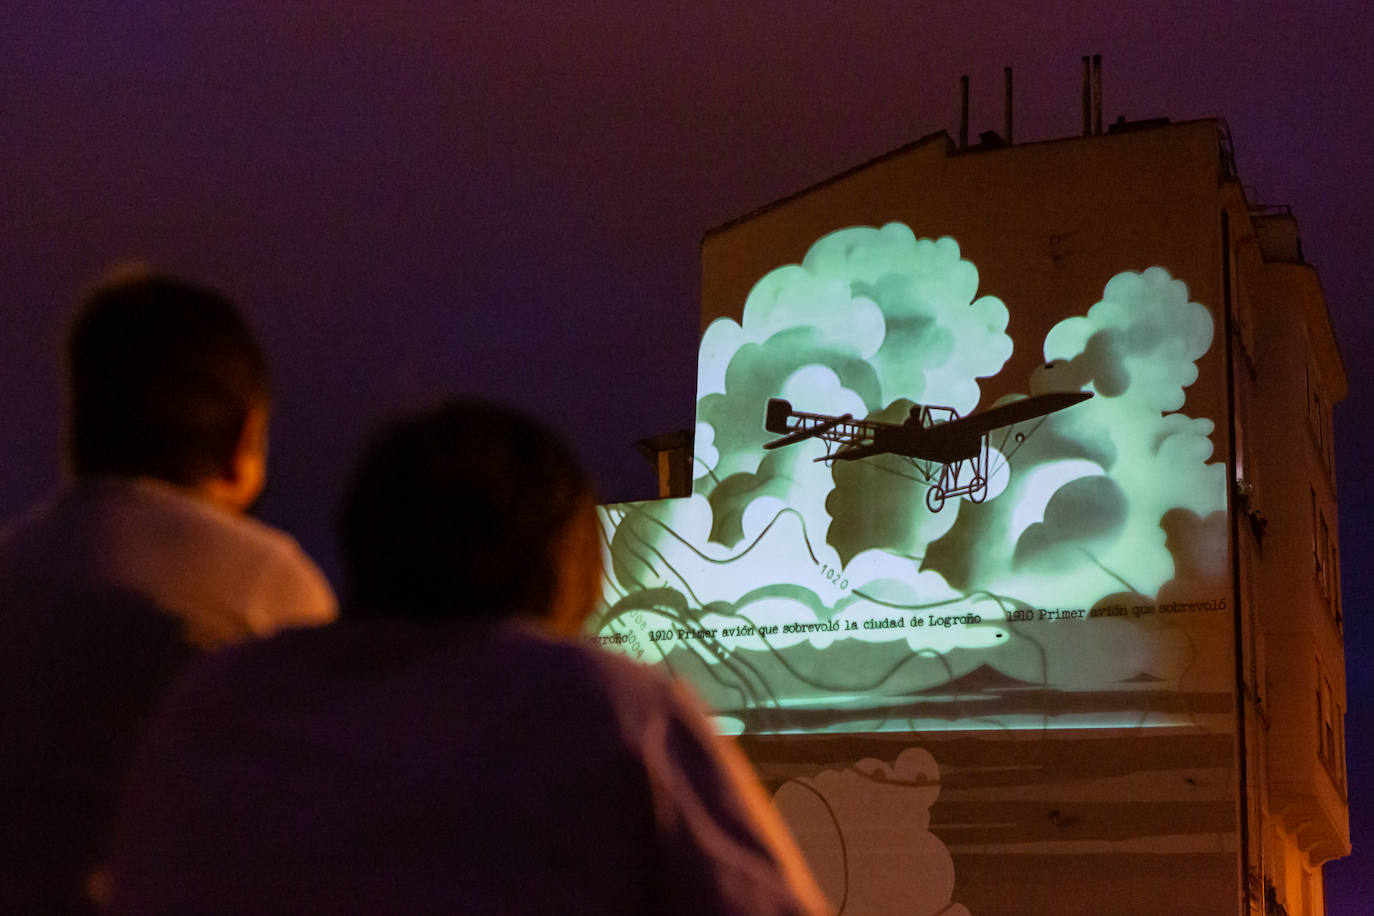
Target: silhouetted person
449	746
142	559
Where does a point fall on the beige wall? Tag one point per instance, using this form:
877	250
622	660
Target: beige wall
1093	821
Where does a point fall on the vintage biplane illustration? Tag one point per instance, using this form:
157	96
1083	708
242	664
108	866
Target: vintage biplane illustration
952	453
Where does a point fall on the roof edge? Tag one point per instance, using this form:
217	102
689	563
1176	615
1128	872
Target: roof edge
950	149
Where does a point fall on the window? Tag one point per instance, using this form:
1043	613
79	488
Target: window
1321	717
1340	746
1323	555
1319	421
1329	726
1325	561
1330	729
1320	533
1333	600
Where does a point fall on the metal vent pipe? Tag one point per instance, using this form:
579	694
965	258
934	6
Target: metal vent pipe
963	112
1006	106
1097	93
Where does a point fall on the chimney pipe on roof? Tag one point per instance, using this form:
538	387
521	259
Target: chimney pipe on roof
1097	93
1006	105
1087	98
963	112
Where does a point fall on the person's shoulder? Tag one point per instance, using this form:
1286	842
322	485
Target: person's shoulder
174	506
583	654
636	693
294	591
237	674
280	585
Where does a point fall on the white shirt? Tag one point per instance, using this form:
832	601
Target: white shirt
104	592
226	577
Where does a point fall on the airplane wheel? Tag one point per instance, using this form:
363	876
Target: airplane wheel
979	489
935	499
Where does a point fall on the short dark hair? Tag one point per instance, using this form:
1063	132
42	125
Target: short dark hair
459	512
162	374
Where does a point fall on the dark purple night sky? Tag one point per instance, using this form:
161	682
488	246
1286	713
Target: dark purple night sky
509	198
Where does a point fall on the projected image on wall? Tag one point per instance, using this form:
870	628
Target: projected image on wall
1044	563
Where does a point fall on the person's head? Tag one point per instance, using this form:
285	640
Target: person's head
166	380
471	511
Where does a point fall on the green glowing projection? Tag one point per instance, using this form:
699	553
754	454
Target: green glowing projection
809	596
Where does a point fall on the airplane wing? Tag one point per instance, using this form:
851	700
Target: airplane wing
797	426
1020	411
947	442
810	432
853	453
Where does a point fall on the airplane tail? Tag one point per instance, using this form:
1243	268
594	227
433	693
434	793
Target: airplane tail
775	419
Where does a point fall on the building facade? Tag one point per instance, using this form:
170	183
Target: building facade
1088	659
